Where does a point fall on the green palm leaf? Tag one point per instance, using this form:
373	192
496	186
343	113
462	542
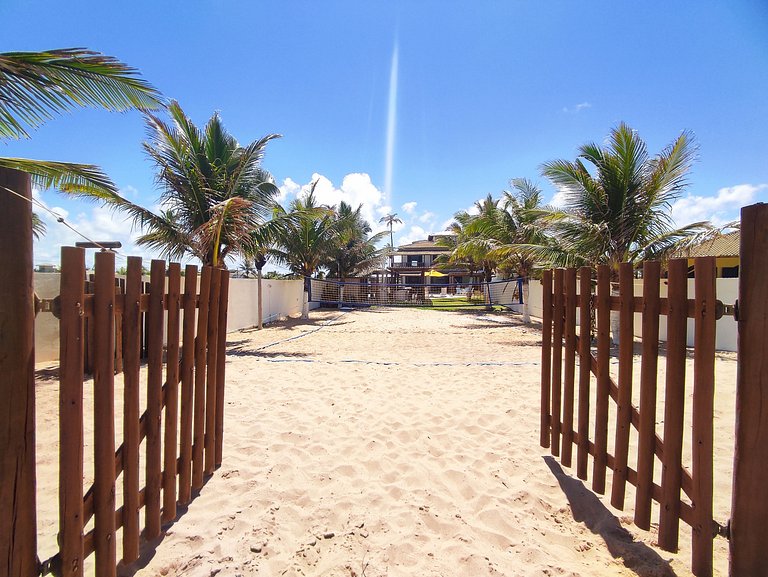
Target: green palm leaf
36	86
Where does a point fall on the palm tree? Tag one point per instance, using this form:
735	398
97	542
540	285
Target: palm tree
36	86
620	211
517	222
354	253
305	243
38	226
214	191
390	220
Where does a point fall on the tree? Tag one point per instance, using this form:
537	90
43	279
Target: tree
518	222
305	242
390	220
214	191
353	253
38	226
620	210
36	86
617	205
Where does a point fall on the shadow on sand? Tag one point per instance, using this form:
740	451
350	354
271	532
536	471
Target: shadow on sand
588	509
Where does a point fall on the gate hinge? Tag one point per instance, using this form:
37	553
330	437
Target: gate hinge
50	566
722	309
721	530
48	306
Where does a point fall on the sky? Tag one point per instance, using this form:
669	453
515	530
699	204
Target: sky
414	107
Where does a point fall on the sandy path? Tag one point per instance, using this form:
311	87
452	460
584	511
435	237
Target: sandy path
393	443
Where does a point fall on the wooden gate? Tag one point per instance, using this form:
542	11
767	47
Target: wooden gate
561	394
182	424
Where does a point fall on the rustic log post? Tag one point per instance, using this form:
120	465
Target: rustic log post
198	420
558	316
703	415
71	346
603	377
171	442
648	381
749	539
104	414
674	405
585	294
131	407
221	360
154	461
18	537
212	373
187	384
570	364
624	404
546	359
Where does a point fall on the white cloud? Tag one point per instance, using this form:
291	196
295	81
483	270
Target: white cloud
409	207
577	108
94	222
356	189
719	208
414	233
288	188
559	200
447	223
427	217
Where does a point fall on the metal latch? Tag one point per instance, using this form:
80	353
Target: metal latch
48	306
722	309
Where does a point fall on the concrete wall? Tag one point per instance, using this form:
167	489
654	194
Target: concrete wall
727	328
282	298
46	325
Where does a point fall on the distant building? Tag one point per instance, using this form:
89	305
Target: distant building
417	264
725	249
47	268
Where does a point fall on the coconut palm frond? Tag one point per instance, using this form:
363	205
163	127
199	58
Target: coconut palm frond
77	179
36	86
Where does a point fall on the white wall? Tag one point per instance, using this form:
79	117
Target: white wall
727	328
282	298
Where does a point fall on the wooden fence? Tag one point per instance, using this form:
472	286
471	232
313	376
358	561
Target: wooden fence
562	395
89	333
181	429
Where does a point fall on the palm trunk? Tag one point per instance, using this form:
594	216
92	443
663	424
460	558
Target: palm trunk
305	299
526	310
260	301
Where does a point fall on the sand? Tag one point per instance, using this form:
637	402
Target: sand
397	442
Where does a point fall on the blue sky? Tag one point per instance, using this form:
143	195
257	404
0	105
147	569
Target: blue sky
486	92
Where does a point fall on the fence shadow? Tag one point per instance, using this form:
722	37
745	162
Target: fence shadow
588	509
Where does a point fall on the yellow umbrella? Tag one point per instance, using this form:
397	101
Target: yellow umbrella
434	273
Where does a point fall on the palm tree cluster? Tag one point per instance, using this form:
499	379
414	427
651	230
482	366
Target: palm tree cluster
617	201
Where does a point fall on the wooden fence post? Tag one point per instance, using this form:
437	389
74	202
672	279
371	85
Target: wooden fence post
546	359
749	539
71	347
104	414
18	536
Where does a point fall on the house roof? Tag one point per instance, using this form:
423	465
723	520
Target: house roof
425	246
722	245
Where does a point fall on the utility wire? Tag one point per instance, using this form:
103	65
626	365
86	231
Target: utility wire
60	220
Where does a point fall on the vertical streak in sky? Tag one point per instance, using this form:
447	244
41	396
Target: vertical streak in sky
391	125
